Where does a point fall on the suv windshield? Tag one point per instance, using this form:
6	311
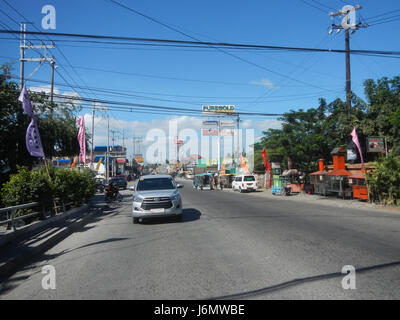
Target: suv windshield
249	178
155	184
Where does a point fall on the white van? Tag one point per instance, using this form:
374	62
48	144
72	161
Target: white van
246	182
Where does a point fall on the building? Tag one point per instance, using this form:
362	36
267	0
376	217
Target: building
117	161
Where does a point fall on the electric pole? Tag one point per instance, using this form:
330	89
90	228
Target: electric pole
43	58
348	23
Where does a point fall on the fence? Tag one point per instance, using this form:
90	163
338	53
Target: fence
15	218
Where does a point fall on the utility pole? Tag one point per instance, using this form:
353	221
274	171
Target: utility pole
22	53
112	156
219	144
108	146
238	141
52	64
349	15
43	58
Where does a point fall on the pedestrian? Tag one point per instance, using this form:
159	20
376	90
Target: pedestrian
221	183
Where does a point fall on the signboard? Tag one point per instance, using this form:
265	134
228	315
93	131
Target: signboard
210	132
227	123
227	132
219	109
210	123
376	144
138	158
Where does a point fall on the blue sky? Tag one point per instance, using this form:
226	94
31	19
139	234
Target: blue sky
273	82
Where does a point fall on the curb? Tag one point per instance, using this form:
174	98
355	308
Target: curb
10	267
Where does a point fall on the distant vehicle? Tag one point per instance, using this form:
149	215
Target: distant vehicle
156	196
203	181
189	175
245	182
121	182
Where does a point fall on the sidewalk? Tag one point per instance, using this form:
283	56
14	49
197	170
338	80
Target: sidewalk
17	253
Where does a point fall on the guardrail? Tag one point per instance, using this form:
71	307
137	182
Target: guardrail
12	218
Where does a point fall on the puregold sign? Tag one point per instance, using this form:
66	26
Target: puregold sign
219	109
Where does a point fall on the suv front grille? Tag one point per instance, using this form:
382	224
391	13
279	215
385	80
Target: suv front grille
157	203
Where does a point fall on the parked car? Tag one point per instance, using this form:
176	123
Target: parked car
121	182
245	182
156	196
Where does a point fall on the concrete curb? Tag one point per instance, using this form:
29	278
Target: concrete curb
11	266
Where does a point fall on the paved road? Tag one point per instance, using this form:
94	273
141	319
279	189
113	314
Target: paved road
232	245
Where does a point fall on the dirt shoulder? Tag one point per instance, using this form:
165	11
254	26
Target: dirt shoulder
318	199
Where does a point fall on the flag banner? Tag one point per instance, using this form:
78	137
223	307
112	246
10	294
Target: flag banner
82	140
98	164
357	143
267	166
33	142
26	102
74	163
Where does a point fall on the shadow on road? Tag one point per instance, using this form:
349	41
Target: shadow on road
300	281
188	215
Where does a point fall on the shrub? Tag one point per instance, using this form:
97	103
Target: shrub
384	181
35	186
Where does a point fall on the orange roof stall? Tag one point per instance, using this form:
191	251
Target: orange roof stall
317	179
358	182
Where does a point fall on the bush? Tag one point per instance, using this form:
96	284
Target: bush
384	181
36	186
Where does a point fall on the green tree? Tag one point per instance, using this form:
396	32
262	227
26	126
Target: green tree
57	126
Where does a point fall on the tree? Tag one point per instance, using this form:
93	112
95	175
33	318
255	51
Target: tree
56	122
383	110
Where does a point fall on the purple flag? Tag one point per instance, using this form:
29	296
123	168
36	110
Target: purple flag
26	103
357	143
81	139
32	137
33	142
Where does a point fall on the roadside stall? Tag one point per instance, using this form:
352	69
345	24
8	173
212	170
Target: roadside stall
227	180
358	183
203	181
318	179
337	180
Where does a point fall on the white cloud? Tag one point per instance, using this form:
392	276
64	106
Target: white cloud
265	83
268	124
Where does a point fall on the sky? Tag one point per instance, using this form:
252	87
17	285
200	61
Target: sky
253	81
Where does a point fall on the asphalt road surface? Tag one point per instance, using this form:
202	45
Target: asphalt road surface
229	245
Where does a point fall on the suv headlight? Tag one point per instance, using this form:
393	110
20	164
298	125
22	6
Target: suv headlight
175	197
137	199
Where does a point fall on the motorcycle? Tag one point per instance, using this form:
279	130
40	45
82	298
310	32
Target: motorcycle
111	193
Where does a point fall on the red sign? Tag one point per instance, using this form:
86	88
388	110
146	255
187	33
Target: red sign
210	132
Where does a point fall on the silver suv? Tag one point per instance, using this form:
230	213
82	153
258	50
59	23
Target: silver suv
156	196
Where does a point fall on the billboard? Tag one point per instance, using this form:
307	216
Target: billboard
210	123
376	144
227	123
210	132
219	109
227	132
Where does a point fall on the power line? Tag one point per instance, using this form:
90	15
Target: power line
221	44
125	94
125	105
